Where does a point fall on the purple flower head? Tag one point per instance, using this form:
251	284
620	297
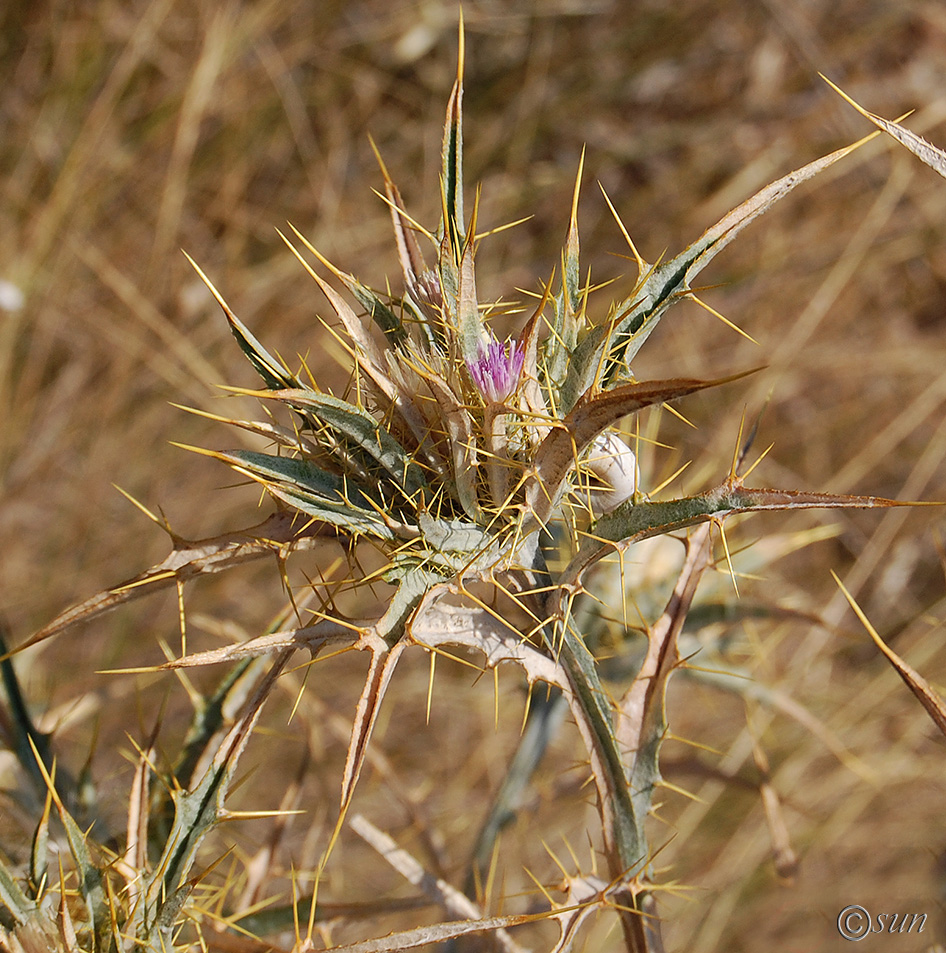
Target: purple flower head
497	368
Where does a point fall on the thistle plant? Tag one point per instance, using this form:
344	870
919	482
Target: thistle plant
498	477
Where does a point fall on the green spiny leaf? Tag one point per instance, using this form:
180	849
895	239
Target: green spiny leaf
632	522
91	884
473	336
609	349
627	829
308	488
196	813
299	473
454	231
355	521
20	907
389	323
567	305
452	535
360	429
274	375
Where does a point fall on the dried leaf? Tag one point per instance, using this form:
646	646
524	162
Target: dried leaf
928	697
368	354
463	453
607	350
408	251
586	896
562	448
715	239
280	534
384	642
384	659
925	151
309	637
438	933
532	398
438	623
641	722
285	437
390	324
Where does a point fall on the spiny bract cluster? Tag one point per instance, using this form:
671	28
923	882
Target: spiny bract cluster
459	448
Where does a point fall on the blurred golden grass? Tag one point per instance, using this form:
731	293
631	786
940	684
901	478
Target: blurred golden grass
134	130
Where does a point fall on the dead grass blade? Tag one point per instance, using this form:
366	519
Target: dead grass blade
452	900
784	855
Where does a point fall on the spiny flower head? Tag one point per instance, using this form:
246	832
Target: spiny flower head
457	443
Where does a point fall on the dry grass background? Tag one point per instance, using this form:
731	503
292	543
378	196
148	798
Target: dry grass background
131	130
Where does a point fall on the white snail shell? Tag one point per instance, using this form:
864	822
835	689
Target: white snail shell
613	462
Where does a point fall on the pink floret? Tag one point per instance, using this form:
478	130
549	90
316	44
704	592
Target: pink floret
497	369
